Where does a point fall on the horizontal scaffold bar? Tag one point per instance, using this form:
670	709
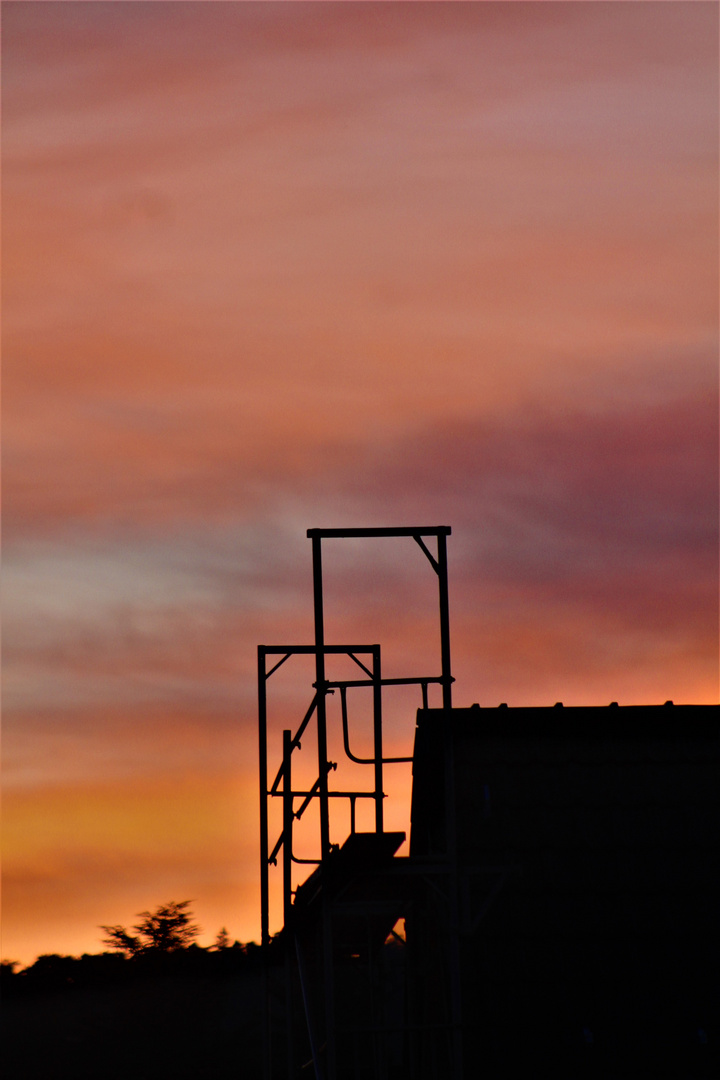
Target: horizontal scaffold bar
405	530
276	650
331	794
418	681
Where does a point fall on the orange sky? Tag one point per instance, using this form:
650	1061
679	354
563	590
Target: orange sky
270	266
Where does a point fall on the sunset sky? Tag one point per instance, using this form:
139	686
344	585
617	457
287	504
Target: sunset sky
272	266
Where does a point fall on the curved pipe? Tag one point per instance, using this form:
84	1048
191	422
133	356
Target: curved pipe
346	738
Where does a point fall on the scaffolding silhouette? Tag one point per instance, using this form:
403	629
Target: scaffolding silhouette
336	924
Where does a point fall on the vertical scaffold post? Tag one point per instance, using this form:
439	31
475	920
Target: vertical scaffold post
262	738
287	896
264	870
377	738
328	967
321	696
444	621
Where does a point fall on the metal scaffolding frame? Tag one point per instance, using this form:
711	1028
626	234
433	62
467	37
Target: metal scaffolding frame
332	906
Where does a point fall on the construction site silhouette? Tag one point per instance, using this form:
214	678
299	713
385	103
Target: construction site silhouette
557	909
554	908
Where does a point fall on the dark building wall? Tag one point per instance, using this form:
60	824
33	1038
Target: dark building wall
589	885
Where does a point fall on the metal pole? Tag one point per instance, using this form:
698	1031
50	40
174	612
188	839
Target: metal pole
264	884
321	696
377	738
262	738
450	815
287	804
328	972
444	622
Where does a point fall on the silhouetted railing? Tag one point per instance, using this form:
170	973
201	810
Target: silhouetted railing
282	783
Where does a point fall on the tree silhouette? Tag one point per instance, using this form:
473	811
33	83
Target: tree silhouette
222	941
166	929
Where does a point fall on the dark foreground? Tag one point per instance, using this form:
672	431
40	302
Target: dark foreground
112	1020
